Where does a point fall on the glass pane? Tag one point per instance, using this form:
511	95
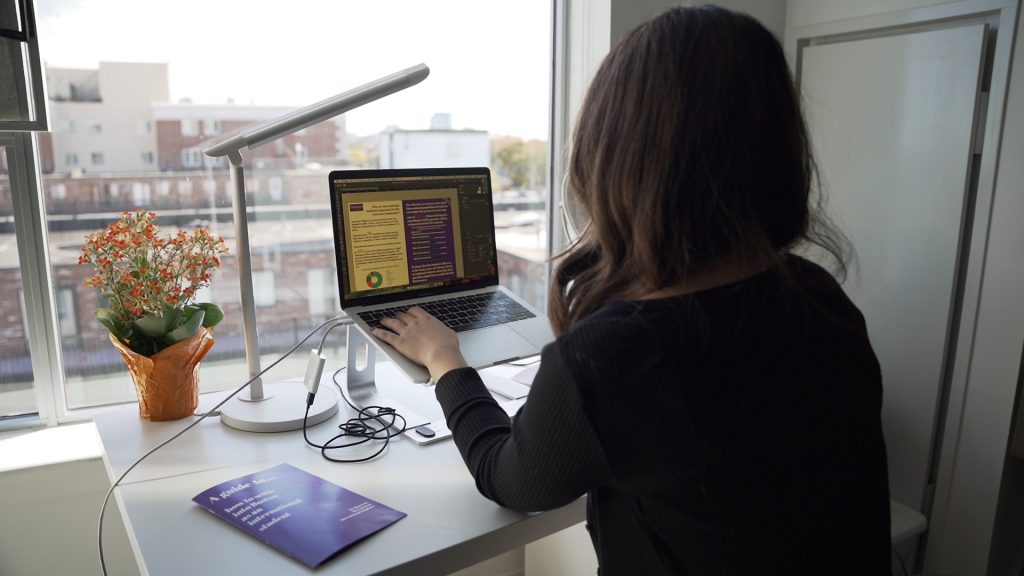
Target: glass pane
13	104
17	395
131	118
9	16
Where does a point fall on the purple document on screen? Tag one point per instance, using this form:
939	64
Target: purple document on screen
302	515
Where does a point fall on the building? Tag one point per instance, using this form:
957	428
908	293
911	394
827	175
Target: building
102	120
183	128
440	146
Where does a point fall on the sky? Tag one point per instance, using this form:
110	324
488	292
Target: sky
489	59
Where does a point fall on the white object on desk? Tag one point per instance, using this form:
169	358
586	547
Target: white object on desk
503	386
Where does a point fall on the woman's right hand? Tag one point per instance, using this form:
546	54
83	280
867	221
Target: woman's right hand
424	340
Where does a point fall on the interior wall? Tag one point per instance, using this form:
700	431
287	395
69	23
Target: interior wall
627	15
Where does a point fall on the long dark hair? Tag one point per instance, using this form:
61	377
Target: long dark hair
689	147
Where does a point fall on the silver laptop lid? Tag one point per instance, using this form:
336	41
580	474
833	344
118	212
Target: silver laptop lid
410	233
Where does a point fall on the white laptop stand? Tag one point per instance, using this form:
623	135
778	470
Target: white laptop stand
361	389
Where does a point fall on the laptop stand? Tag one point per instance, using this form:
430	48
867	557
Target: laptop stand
361	390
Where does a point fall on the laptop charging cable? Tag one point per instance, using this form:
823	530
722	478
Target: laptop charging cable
370	423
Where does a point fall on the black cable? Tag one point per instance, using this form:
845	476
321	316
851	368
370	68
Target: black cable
361	428
337	321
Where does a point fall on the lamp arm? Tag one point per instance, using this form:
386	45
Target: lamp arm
296	120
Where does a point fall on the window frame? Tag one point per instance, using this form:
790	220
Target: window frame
32	92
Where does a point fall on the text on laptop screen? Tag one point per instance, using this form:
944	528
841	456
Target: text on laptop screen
403	234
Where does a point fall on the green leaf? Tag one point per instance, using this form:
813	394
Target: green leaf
111	322
188	328
213	314
155	326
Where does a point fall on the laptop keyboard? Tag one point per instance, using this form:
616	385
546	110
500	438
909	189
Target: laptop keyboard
462	313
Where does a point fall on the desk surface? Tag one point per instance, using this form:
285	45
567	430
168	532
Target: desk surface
449	524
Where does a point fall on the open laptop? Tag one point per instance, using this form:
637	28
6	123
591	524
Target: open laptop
425	237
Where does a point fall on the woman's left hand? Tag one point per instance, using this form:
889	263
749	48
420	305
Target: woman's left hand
424	340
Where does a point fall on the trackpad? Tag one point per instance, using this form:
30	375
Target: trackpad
493	345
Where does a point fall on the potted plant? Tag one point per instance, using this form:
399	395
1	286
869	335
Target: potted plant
149	283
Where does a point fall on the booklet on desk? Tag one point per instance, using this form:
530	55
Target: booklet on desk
302	515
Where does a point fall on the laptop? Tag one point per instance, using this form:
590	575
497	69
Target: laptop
425	237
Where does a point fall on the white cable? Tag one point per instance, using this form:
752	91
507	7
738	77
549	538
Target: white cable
336	321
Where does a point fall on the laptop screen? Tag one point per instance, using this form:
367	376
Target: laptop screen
409	233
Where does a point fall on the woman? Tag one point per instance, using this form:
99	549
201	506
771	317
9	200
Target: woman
713	394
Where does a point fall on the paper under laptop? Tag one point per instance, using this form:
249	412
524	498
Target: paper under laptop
426	237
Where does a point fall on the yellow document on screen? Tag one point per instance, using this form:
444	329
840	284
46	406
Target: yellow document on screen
377	248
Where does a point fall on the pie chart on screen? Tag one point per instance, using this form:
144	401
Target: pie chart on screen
374	279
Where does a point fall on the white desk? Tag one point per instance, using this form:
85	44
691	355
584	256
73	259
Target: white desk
449	524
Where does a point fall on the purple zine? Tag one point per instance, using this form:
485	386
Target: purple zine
302	515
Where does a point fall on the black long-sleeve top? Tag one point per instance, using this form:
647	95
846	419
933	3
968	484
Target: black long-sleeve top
730	431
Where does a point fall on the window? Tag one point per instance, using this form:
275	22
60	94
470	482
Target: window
189	127
276	188
211	162
322	294
191	158
159	162
67	318
141	195
264	288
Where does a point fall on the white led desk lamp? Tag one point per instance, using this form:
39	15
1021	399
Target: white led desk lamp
283	405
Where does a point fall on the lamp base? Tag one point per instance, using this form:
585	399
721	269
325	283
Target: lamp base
281	409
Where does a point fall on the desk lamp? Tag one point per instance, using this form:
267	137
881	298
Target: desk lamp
282	405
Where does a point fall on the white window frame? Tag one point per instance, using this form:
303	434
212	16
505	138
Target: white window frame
40	317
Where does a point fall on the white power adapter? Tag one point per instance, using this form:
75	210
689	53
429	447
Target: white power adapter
314	369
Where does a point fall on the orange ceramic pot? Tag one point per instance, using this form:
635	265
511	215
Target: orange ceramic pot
167	382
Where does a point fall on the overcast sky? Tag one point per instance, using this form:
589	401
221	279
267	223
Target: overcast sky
489	59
